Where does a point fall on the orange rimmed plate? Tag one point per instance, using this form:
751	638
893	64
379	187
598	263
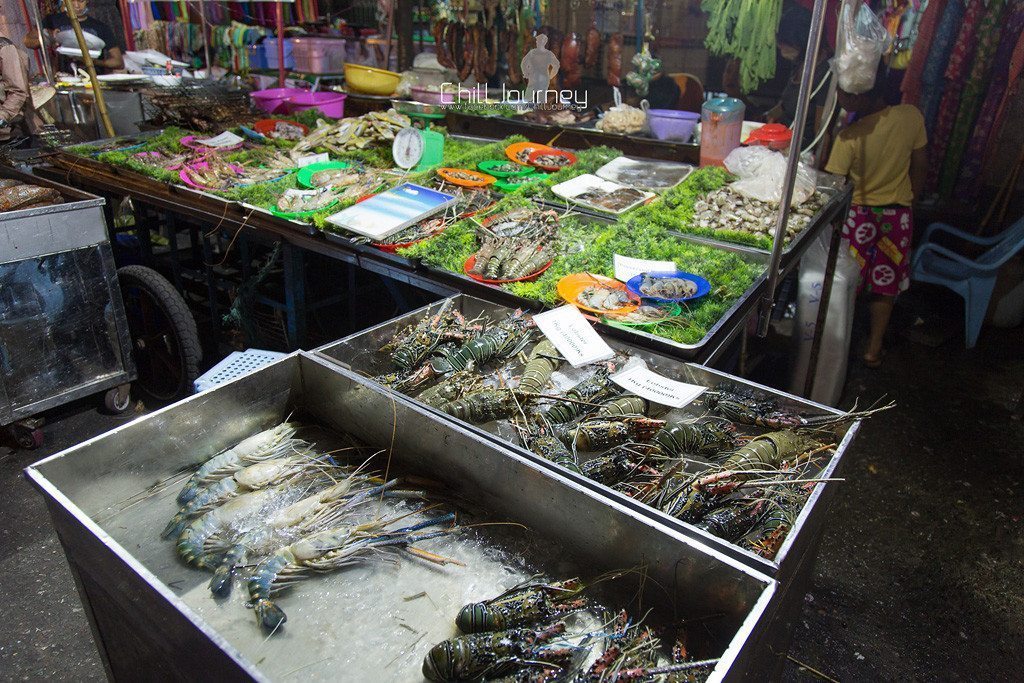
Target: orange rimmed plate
267	126
570	287
526	148
471	261
476	179
569	157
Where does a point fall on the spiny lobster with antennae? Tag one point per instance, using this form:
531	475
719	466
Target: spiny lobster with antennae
766	413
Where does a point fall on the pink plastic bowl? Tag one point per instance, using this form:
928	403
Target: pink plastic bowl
428	96
332	104
272	101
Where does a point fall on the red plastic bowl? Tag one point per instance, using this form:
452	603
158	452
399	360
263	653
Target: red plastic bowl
471	261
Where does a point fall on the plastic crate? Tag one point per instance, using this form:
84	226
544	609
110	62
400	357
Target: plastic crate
236	364
319	55
257	56
270	52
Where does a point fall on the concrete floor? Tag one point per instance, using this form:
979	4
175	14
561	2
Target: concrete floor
919	574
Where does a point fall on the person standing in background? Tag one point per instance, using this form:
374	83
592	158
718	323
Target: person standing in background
110	59
15	99
884	155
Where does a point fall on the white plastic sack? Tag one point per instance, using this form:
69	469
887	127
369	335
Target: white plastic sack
761	172
835	342
862	42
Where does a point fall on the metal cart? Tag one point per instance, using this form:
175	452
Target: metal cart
63	331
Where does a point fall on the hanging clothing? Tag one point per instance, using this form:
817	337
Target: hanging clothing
911	87
971	98
956	73
933	78
985	127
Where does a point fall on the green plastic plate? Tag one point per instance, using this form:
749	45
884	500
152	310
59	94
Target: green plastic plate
305	174
491	164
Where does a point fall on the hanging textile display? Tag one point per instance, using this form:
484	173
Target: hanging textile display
1000	77
933	78
956	74
926	29
988	33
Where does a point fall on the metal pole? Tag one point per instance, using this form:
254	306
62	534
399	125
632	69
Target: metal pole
43	51
207	36
101	104
279	14
28	27
806	78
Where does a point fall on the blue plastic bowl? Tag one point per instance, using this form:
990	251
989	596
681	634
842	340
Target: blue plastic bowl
703	286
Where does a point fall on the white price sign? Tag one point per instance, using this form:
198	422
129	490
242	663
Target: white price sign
627	267
652	386
311	159
225	139
573	336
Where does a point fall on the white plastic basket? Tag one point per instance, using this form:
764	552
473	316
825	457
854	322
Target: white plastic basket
235	364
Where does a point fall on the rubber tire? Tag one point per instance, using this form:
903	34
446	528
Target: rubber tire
176	311
111	404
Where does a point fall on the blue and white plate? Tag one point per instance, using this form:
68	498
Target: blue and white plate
703	286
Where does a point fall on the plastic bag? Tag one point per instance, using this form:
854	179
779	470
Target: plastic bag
835	344
623	118
761	172
862	42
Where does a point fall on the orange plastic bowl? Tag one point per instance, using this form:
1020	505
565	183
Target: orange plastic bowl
570	286
516	147
551	151
478	179
266	126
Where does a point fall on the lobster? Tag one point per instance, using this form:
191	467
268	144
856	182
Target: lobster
616	466
631	404
748	410
525	604
542	361
600	434
499	342
490	655
594	389
703	437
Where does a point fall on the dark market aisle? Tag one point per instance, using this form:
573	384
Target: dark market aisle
918	577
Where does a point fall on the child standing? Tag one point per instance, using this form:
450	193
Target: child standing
883	154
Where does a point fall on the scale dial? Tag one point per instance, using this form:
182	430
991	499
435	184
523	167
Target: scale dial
407	149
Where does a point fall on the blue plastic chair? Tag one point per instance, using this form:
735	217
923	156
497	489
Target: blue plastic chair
971	279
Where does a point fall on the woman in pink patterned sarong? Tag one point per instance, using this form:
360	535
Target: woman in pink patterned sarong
883	153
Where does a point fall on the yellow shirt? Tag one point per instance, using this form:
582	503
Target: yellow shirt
875	152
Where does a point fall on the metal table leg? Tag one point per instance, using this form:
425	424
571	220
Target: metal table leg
295	294
826	295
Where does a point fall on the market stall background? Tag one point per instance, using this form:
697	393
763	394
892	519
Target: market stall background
237	193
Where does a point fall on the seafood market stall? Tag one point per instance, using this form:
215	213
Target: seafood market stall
63	330
435	258
392	611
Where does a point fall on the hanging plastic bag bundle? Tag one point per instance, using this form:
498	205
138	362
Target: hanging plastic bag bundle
761	171
861	43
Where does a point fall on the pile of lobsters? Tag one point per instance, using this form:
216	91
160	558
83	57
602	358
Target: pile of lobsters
16	195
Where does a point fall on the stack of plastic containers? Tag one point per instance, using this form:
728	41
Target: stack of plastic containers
319	55
270	52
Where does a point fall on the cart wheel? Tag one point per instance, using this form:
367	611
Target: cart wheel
165	343
26	437
118	399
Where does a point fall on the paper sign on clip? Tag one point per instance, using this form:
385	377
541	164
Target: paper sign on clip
626	267
310	159
225	139
652	386
573	336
